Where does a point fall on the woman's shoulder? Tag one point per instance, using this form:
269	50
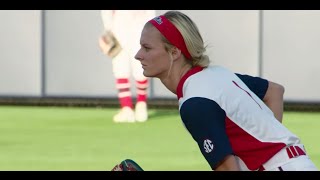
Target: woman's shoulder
218	68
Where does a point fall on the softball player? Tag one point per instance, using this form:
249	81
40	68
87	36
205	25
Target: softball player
126	26
232	117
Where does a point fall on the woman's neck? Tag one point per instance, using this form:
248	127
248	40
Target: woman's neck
172	80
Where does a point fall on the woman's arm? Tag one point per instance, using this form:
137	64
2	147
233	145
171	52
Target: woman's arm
274	99
228	164
269	92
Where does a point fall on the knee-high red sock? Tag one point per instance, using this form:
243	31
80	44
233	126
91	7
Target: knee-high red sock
142	87
124	93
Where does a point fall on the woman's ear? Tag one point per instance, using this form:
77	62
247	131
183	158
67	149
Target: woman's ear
175	52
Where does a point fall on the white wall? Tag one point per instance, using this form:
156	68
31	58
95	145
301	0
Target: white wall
282	44
291	52
75	65
20	52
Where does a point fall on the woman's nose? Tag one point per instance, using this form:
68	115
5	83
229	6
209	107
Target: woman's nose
137	56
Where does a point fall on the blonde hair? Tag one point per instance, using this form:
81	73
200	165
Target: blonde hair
191	36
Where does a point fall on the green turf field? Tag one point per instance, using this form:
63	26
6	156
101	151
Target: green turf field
56	138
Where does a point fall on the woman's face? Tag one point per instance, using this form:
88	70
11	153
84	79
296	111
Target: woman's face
154	58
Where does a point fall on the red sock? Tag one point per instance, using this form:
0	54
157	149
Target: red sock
124	93
142	87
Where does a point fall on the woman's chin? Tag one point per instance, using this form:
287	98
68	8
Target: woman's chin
147	74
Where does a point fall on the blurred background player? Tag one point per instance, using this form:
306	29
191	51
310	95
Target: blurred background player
126	26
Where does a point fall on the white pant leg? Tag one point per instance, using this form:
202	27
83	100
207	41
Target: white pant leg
137	70
121	65
300	163
127	27
133	47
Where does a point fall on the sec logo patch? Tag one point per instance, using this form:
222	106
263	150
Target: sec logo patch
208	145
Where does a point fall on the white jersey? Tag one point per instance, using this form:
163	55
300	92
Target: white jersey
225	116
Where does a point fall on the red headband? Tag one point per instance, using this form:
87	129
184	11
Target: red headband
169	31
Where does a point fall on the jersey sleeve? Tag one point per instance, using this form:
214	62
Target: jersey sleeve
256	84
205	121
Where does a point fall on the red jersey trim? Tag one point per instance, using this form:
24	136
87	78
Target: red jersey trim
191	72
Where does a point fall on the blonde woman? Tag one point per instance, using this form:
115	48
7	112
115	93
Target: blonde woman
235	119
